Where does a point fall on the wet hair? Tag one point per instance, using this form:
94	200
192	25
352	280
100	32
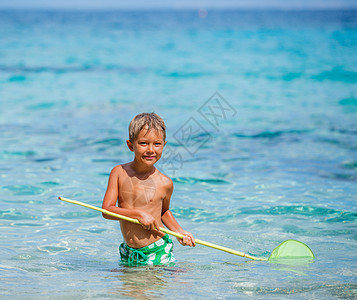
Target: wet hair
148	121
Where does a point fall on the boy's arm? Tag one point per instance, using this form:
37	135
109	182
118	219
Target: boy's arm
170	222
111	198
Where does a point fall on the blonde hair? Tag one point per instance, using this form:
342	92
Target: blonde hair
146	121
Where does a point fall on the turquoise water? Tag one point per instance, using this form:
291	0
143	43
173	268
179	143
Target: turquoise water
270	100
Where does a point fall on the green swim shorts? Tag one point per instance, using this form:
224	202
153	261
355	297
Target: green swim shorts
157	253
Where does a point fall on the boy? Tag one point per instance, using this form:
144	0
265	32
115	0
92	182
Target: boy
144	193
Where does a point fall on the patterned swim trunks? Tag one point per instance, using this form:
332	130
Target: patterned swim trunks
157	253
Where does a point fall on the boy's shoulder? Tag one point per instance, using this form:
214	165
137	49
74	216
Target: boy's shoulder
165	180
118	169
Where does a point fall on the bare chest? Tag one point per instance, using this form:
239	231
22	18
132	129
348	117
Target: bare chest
140	193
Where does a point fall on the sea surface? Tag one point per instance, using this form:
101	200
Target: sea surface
261	115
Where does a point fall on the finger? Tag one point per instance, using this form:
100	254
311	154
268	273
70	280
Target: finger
193	243
191	240
156	226
186	240
181	241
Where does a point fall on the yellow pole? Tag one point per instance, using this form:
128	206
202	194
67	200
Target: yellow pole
173	233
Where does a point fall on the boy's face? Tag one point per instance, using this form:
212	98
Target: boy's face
147	147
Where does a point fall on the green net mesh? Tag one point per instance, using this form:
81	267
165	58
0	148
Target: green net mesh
291	249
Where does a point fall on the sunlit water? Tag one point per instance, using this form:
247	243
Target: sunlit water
278	160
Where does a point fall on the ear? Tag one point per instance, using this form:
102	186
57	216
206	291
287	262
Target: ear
165	143
130	145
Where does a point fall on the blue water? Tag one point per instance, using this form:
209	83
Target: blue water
261	113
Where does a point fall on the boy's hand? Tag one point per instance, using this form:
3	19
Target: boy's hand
148	222
187	240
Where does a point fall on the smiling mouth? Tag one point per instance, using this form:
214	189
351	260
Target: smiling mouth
149	157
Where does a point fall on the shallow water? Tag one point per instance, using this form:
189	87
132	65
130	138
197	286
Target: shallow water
270	101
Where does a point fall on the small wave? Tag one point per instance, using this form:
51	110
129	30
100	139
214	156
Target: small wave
338	141
54	249
291	76
63	70
13	214
104	174
7	154
23	256
105	160
343	130
17	78
326	215
77	215
271	134
45	159
184	75
311	211
22	224
348	101
285	77
195	214
339	176
23	190
337	74
352	165
93	230
51	183
345	291
42	105
193	180
110	142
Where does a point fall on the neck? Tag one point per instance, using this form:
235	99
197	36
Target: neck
141	170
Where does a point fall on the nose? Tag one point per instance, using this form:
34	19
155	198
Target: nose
150	148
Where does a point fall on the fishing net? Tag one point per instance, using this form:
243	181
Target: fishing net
291	249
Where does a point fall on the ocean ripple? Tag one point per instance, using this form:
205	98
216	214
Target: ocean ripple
23	190
63	69
337	74
324	214
193	180
271	134
14	214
